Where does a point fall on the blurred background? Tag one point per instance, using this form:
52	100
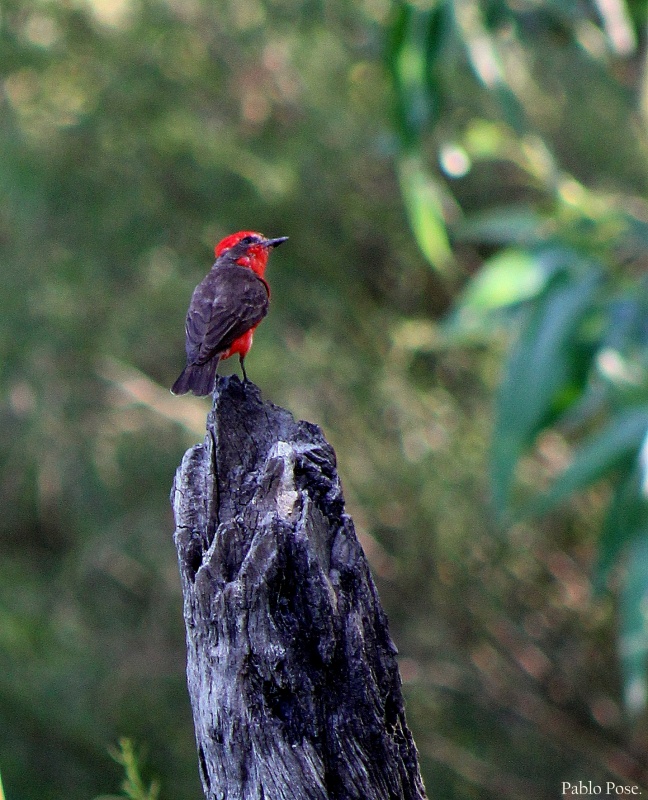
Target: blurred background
461	307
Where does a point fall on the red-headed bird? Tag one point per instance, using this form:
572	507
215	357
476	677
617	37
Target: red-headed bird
226	307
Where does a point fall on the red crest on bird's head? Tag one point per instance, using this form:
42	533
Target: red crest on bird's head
234	238
252	249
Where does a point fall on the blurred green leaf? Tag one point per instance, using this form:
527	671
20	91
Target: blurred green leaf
627	315
422	195
538	368
600	455
512	110
507	278
510	277
633	641
626	519
415	40
634	231
505	225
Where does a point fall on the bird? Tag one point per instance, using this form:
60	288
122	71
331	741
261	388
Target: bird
225	309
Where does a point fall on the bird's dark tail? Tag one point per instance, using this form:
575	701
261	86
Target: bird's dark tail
197	378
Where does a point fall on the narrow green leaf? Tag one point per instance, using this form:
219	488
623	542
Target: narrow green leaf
633	640
422	196
605	451
627	517
408	59
512	109
626	320
522	226
439	29
538	369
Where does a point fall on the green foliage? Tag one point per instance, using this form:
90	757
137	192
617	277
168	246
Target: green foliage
508	138
541	375
424	208
567	281
133	786
633	641
613	447
508	278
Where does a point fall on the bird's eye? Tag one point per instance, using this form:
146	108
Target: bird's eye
247	240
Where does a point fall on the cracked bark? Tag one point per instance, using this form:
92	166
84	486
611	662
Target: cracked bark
291	671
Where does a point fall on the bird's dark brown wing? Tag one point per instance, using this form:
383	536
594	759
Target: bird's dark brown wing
227	303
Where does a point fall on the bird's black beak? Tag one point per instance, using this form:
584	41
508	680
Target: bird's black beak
275	242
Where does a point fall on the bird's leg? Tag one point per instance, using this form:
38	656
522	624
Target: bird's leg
245	377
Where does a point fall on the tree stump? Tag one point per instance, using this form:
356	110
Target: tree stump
291	671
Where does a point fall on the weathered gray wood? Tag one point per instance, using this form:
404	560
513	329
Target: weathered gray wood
291	671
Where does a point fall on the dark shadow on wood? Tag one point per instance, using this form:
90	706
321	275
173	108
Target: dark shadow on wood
291	671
